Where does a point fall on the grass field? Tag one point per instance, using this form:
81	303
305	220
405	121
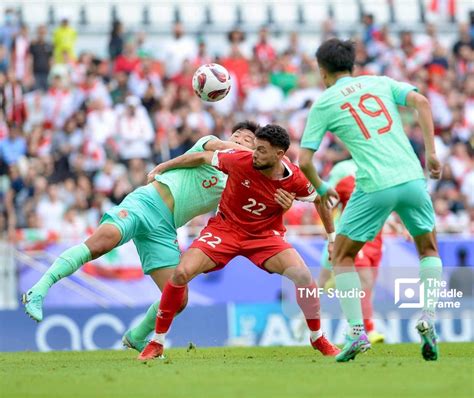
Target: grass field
386	371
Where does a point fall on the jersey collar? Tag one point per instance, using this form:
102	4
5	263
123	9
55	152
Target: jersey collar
344	79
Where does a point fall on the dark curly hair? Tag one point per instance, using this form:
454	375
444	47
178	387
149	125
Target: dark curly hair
276	135
336	55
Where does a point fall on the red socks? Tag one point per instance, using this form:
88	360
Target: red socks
172	301
367	310
308	300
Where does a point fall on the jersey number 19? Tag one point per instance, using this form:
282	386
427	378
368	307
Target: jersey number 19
382	110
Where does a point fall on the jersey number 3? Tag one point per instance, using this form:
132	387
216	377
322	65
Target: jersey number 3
381	110
251	207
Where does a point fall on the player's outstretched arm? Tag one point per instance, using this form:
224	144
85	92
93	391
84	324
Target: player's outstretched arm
425	118
219	145
187	160
328	195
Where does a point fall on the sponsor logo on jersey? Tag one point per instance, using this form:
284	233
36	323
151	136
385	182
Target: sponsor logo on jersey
123	213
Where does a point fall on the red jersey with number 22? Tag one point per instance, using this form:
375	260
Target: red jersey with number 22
248	201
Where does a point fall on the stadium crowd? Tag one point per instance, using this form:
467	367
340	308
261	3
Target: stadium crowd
78	133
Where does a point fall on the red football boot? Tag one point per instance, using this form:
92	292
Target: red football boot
325	347
152	350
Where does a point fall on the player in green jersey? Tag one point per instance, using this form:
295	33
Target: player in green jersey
150	216
363	113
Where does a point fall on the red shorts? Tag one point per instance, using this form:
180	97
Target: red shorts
221	242
370	255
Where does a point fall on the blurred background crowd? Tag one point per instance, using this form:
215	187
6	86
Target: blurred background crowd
79	130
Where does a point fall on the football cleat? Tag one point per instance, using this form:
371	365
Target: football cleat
353	346
375	337
429	345
129	342
325	347
33	303
152	350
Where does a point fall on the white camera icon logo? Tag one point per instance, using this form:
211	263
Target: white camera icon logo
405	289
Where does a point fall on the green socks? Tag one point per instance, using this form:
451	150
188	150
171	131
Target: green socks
349	289
66	264
147	325
430	275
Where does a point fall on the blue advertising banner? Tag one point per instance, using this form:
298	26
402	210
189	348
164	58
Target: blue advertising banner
92	329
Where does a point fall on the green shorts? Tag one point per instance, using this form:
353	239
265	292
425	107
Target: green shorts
366	213
145	218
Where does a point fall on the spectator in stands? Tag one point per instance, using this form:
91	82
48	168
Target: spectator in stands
119	88
41	52
64	41
370	29
178	49
59	103
127	61
50	209
20	49
14	147
116	40
264	52
13	99
264	100
134	131
9	29
144	76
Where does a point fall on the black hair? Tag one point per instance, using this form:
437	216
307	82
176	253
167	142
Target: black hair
246	125
336	55
276	135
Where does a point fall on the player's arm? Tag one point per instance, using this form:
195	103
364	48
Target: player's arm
188	160
329	196
315	129
326	217
425	118
219	145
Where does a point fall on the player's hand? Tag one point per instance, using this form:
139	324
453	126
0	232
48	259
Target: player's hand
434	166
151	175
284	198
330	250
330	198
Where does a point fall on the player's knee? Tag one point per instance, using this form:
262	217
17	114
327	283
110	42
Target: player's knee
181	276
301	276
103	241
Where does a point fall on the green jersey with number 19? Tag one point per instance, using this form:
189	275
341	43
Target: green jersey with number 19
363	113
195	190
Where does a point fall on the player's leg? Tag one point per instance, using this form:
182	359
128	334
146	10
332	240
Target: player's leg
136	337
366	263
174	297
362	219
289	263
326	275
417	213
157	245
104	239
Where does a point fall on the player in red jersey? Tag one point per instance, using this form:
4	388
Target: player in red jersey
249	222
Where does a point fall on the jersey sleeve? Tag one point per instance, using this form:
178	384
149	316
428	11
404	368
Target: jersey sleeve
199	145
400	90
226	160
304	190
316	127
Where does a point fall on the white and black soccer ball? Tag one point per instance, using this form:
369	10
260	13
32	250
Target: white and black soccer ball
211	82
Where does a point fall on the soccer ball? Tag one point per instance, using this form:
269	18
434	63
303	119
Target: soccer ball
211	82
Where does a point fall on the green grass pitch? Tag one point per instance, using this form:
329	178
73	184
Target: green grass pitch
385	371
